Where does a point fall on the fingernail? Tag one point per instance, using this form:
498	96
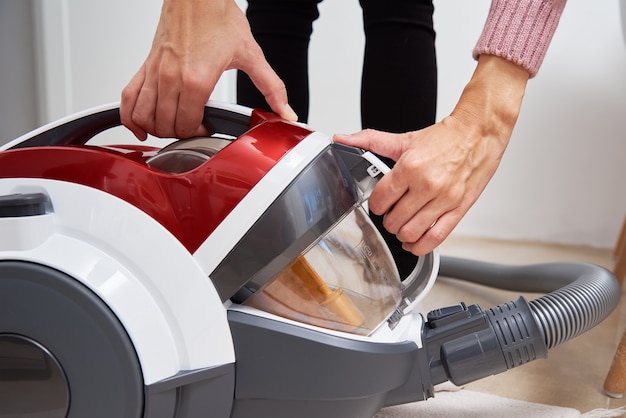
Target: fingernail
290	114
341	138
140	135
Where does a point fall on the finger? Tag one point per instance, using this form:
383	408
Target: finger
191	103
434	236
392	187
381	143
145	105
389	190
410	216
269	84
168	93
411	223
417	212
426	198
130	93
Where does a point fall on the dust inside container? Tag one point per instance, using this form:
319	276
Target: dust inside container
347	281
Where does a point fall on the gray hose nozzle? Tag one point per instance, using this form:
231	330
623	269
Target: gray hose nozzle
465	343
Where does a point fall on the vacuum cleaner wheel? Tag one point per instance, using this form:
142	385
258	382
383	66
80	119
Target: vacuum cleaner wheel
63	347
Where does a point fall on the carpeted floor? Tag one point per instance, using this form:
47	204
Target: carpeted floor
568	383
471	404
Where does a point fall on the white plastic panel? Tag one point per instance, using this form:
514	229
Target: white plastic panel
168	306
17	234
252	206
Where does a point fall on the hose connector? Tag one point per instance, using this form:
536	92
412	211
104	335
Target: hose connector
467	344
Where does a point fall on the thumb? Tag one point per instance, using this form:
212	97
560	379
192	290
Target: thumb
381	143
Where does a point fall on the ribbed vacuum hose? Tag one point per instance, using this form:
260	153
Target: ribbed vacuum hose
581	295
568	312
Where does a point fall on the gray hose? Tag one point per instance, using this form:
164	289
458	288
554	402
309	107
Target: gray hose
580	295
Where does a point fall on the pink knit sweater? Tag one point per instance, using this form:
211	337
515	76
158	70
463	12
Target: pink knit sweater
520	31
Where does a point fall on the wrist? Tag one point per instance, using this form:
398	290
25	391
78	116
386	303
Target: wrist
491	101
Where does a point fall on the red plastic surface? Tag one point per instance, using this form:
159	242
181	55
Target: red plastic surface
190	205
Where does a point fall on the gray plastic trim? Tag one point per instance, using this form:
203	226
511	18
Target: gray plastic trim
96	354
319	197
288	371
193	393
80	331
28	204
466	344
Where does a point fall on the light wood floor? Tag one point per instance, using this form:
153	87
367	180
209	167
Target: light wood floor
573	374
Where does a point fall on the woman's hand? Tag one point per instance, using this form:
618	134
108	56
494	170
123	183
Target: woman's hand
195	42
441	170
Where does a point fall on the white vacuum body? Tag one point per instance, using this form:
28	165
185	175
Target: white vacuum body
263	221
236	275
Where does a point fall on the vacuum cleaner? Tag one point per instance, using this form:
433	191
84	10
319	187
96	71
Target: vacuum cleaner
238	275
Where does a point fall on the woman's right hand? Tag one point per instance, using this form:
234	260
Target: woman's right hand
195	42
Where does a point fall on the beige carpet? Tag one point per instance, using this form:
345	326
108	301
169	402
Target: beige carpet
470	404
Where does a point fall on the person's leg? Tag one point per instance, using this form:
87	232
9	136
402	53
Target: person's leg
283	29
399	83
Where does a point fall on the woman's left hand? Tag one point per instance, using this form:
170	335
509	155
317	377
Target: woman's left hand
441	170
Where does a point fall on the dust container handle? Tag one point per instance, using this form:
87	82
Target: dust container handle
367	169
420	280
77	129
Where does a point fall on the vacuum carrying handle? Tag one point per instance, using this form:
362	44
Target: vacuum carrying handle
364	167
80	128
75	131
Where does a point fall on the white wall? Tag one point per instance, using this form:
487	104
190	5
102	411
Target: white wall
561	178
18	90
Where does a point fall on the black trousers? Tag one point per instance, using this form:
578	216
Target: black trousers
399	79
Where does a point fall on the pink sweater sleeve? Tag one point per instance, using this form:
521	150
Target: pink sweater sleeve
520	31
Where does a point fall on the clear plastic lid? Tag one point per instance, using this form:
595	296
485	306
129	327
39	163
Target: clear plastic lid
187	154
347	281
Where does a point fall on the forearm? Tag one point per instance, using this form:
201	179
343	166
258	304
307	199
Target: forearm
195	42
184	21
214	7
490	103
